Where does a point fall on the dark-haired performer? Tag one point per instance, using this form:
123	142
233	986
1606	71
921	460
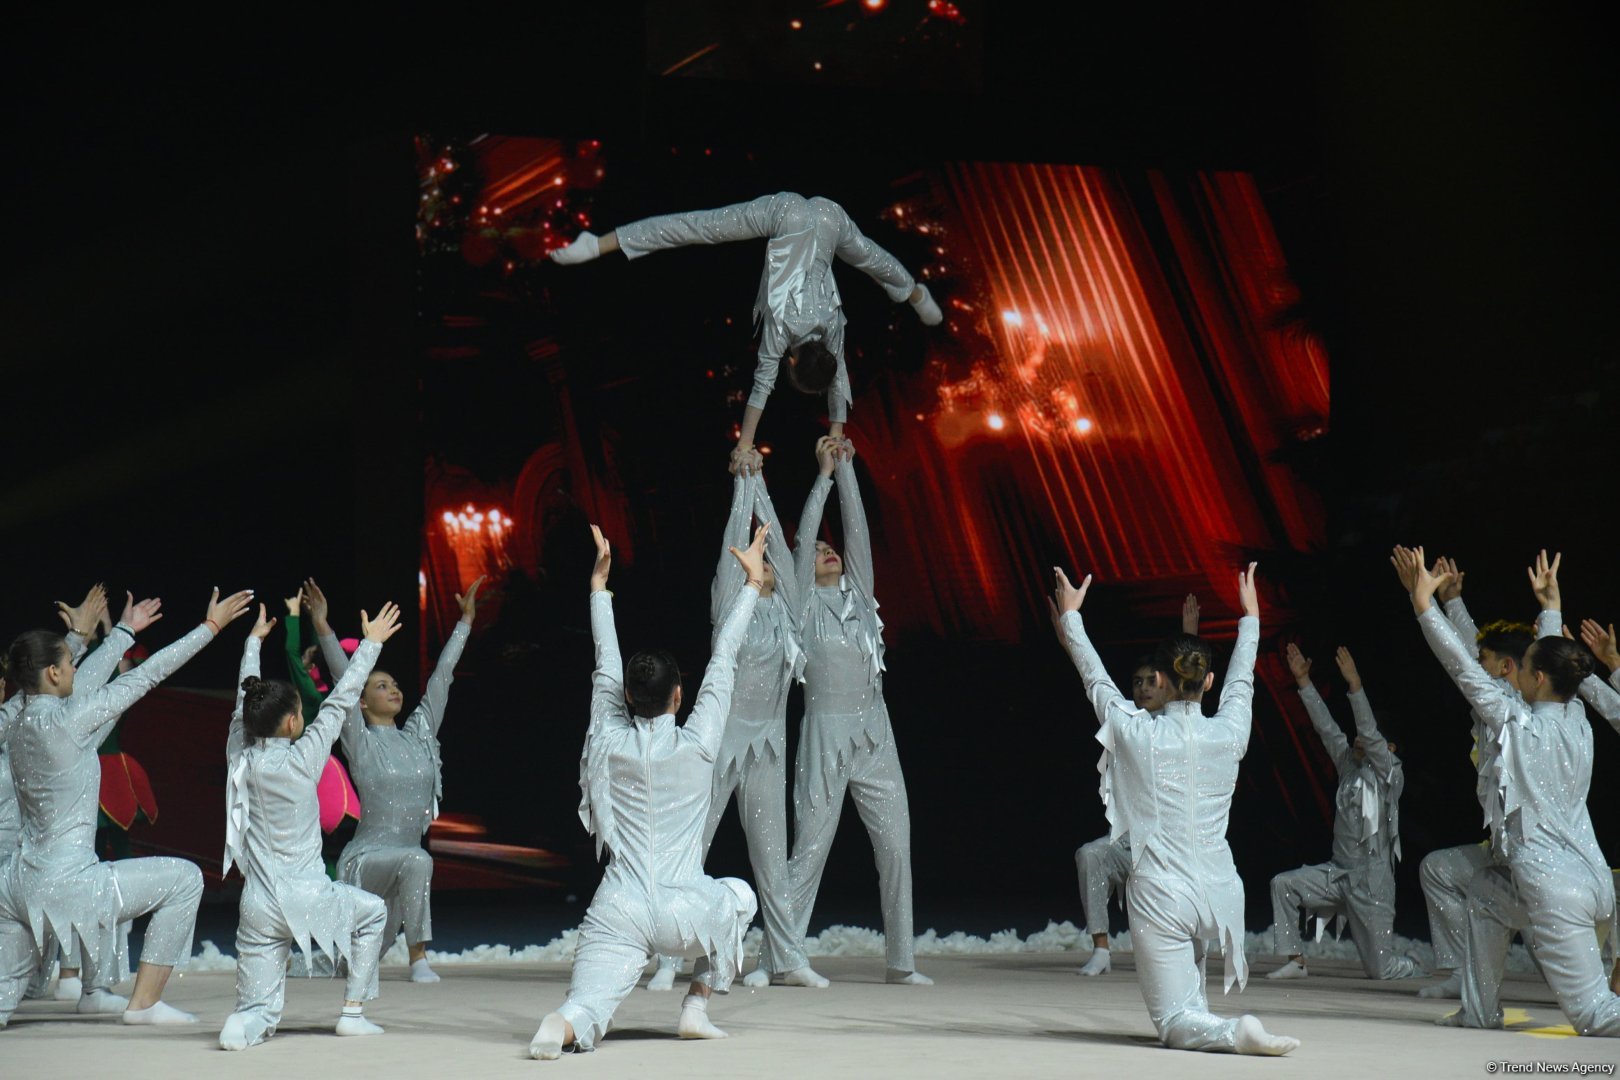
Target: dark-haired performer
1104	864
55	884
398	774
1168	782
1558	882
800	313
273	833
647	785
1499	648
846	742
1358	883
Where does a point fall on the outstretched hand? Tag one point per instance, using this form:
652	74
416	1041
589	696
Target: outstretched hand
294	603
1453	588
1347	668
1401	559
82	620
139	616
383	627
1299	665
1248	592
1065	597
315	600
221	613
1189	615
604	560
263	624
753	557
1544	580
469	602
1602	642
1425	582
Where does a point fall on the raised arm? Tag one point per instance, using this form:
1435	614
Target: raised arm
1105	698
777	549
1373	742
1491	703
707	723
1451	602
81	621
430	711
249	668
857	535
88	718
293	641
728	576
815	504
337	662
607	681
1237	694
316	744
1337	746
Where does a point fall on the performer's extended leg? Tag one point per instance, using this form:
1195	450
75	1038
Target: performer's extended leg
1494	912
879	789
1103	866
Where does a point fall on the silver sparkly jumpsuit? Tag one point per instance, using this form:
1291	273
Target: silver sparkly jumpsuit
273	834
647	786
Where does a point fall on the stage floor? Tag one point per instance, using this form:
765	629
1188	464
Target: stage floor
1013	1015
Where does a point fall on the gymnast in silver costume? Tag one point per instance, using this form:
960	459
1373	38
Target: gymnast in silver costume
753	755
398	773
647	784
1557	881
54	886
273	834
1104	864
1168	783
846	742
798	309
1358	883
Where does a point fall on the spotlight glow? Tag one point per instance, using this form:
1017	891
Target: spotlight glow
996	421
1083	426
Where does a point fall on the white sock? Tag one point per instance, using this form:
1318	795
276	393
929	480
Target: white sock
927	309
664	977
1291	970
103	1001
161	1014
1253	1038
1101	962
907	978
352	1021
421	973
233	1036
757	978
1449	987
547	1044
695	1019
70	989
585	247
806	976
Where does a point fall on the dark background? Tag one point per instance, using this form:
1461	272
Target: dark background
211	364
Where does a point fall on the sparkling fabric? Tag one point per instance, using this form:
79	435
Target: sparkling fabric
1358	885
845	742
1445	875
1544	750
55	878
1168	783
273	834
753	751
798	298
1104	864
647	785
398	773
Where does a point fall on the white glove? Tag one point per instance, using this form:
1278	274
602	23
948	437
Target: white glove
584	248
927	310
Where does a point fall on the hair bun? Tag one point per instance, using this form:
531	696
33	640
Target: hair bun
1190	666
